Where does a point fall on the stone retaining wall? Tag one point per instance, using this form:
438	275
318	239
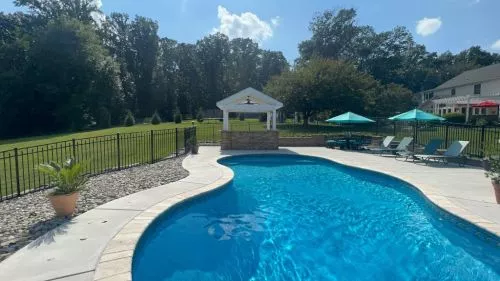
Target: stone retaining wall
303	141
264	140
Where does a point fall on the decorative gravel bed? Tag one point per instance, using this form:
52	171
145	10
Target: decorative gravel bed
26	218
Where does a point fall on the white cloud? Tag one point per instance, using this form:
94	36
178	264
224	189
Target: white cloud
276	21
428	26
246	25
496	46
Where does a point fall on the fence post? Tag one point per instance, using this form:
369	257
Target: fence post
16	161
73	142
213	134
152	147
394	128
446	128
176	141
118	150
481	154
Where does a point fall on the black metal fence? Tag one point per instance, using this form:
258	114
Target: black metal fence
480	137
18	167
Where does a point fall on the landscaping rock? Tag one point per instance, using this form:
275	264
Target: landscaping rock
28	217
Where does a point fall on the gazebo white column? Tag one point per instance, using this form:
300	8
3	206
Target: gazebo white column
268	121
225	116
274	120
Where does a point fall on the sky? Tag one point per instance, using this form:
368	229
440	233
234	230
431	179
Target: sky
281	25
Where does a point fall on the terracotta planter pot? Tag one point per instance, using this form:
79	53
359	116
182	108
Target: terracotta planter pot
496	188
64	205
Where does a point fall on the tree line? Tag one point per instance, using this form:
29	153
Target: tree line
65	66
346	66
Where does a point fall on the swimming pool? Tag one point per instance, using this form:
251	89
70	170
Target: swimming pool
302	218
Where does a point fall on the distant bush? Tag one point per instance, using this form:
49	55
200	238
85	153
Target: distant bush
481	122
263	117
178	117
129	119
199	116
455	117
242	116
156	119
104	118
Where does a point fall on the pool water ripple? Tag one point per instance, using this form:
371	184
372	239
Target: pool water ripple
301	218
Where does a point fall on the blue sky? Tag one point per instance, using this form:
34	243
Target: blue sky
281	24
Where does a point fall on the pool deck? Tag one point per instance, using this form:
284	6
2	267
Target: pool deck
99	244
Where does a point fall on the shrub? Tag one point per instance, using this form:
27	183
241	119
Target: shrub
178	117
455	117
481	122
129	119
242	116
66	179
199	116
104	118
156	119
263	117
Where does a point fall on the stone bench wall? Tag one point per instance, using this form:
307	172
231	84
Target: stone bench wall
303	141
264	140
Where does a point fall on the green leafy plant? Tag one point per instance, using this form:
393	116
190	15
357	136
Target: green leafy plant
178	117
199	115
156	119
455	117
129	119
493	172
66	179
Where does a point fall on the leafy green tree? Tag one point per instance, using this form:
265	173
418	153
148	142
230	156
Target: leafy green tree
387	100
86	11
321	85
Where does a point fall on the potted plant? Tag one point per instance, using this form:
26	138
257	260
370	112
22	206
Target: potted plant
494	174
67	180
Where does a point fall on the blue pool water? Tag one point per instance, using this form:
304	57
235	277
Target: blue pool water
300	218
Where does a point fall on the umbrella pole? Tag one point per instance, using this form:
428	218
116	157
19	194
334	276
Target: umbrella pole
415	135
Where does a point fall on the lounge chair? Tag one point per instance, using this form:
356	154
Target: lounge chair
430	149
385	144
453	152
402	146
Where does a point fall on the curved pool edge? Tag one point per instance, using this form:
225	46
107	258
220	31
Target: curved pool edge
117	265
115	262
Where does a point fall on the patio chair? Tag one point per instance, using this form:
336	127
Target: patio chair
385	144
430	149
453	152
402	146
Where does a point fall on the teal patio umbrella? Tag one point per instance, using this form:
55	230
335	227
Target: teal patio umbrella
416	115
350	118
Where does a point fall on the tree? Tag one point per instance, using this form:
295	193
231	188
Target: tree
143	36
321	85
86	11
386	100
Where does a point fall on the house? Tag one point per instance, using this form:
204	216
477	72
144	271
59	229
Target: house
473	93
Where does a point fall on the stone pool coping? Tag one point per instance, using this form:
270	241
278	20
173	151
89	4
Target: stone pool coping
100	243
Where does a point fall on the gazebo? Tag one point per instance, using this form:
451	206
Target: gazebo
250	100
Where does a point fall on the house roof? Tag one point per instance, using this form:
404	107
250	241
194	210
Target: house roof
249	100
487	73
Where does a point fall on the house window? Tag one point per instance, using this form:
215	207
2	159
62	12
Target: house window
477	89
483	111
449	110
464	110
476	111
453	91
